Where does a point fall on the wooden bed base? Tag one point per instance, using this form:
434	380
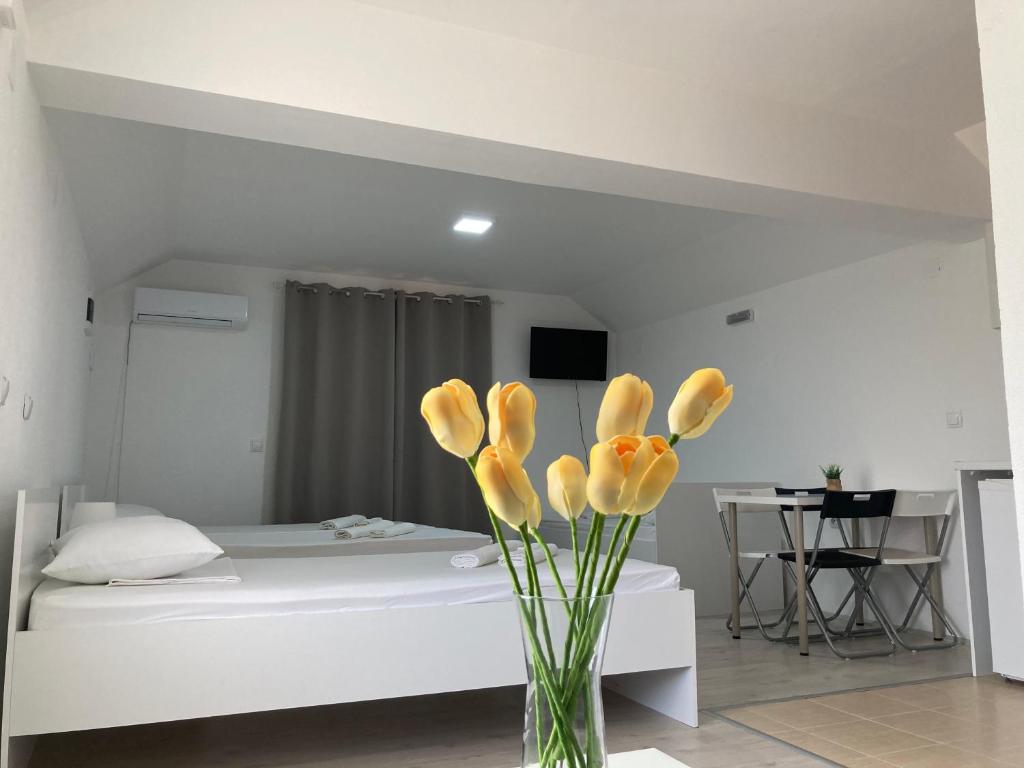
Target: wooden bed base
77	679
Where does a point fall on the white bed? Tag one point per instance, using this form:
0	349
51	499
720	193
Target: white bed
308	540
289	637
284	587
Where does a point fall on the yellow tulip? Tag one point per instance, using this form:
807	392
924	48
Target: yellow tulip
629	475
506	487
511	410
567	487
454	417
624	410
699	401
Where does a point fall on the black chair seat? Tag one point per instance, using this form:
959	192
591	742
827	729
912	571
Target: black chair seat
833	558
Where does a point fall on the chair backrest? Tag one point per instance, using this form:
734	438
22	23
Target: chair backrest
779	491
848	505
855	505
720	505
925	504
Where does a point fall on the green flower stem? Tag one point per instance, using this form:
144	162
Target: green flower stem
596	532
551	563
575	548
673	439
581	576
634	525
608	587
616	535
531	570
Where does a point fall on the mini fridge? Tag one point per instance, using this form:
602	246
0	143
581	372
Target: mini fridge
1003	574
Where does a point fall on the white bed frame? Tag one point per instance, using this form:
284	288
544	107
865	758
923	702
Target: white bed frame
78	679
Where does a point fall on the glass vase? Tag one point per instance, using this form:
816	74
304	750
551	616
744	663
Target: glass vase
564	644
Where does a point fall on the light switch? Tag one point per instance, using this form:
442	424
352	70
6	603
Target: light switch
256	446
954	419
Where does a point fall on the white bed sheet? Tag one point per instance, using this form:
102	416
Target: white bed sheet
284	586
309	540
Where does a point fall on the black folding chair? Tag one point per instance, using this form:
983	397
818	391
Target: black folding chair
840	506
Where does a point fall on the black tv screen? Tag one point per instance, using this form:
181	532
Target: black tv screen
564	353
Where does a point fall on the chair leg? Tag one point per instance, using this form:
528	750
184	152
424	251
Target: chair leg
952	638
863	589
745	594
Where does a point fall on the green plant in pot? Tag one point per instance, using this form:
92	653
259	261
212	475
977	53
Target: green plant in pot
833	476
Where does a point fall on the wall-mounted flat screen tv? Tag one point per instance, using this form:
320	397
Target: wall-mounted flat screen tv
565	353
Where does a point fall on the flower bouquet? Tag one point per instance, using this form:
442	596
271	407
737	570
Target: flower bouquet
629	473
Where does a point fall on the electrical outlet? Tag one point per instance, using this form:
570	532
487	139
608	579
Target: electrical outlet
256	446
954	419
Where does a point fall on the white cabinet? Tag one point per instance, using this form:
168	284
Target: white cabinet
1003	576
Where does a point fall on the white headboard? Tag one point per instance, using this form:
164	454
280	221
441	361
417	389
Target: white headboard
69	496
35	527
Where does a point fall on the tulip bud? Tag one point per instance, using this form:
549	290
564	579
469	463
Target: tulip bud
511	412
567	487
624	410
506	487
629	475
454	417
699	401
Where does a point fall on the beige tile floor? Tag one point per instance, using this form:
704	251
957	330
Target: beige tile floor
966	722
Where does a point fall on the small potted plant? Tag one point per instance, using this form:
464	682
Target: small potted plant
833	476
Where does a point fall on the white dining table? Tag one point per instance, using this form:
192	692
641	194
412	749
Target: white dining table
771	504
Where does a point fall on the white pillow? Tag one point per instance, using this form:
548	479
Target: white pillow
145	547
137	510
88	512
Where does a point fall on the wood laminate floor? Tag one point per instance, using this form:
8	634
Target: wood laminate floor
481	729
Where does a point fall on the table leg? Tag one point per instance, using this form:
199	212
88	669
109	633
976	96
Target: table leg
801	579
734	577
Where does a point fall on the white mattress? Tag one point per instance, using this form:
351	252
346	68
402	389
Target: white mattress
308	540
283	586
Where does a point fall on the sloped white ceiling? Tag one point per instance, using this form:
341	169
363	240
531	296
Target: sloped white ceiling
148	193
911	61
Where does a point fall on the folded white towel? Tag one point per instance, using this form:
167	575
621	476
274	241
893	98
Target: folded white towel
340	523
398	529
477	557
363	531
519	555
372	520
219	570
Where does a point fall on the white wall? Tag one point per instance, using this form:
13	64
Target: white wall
186	444
858	365
44	279
1001	38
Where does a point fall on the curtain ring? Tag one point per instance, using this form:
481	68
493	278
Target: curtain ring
26	408
5	390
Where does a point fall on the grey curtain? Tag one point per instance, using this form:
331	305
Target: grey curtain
438	338
337	423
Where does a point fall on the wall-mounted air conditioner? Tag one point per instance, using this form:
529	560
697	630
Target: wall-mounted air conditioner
198	310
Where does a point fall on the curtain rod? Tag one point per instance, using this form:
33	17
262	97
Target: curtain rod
378	294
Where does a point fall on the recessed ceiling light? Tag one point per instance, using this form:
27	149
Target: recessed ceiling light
472	225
